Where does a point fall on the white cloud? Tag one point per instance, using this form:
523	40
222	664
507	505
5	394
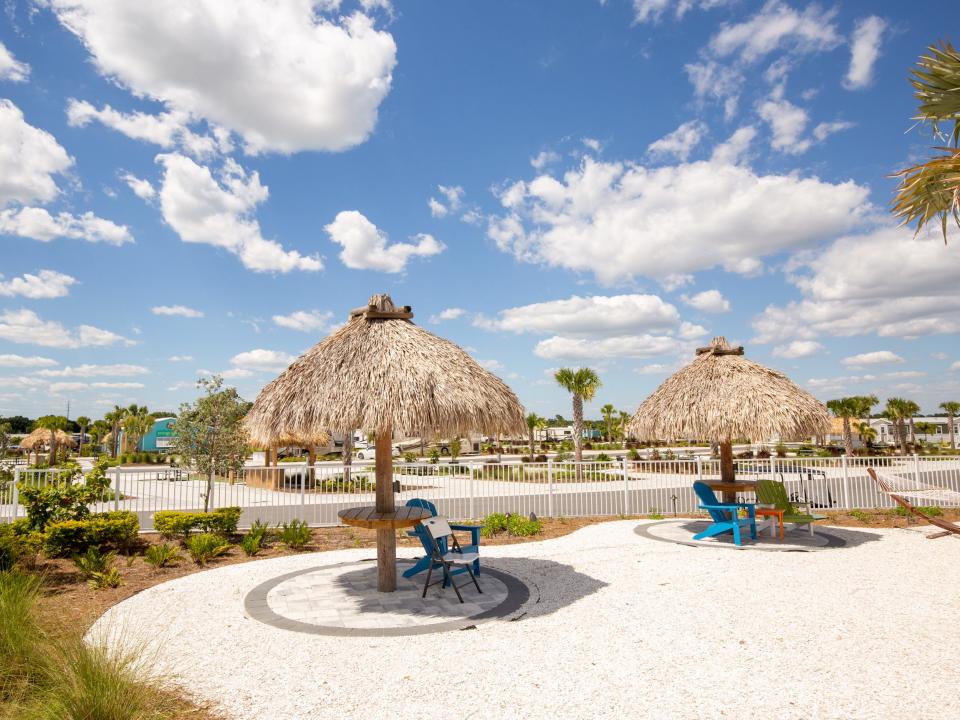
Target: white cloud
38	224
592	144
884	282
735	147
262	360
726	215
864	51
10	68
116	370
305	320
689	331
33	361
166	129
798	349
710	301
544	158
679	143
629	346
591	316
365	246
453	200
955	366
316	82
66	387
653	369
178	310
143	189
29	158
446	314
25	326
777	26
652	10
180	358
825	129
787	123
46	284
202	210
878	357
491	365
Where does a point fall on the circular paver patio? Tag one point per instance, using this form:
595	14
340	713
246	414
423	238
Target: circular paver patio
342	599
682	531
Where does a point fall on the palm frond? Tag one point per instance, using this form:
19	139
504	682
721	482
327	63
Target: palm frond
930	190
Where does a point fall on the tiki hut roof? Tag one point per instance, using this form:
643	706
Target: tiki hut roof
380	370
722	396
279	439
41	436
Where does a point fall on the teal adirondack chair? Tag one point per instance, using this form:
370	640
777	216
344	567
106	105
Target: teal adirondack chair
772	492
726	516
420	532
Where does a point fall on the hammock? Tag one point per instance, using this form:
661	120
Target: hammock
896	486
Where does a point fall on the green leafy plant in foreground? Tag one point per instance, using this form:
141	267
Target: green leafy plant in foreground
250	544
162	555
295	534
206	546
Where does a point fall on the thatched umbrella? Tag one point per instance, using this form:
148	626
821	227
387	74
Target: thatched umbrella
273	439
382	374
41	438
722	396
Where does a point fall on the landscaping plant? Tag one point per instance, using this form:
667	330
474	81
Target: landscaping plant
295	534
162	555
206	546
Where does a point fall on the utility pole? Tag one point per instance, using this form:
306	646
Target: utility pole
68	409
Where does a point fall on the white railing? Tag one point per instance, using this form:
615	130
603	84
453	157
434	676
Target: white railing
473	489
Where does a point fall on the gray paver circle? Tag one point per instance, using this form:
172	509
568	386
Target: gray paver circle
681	532
341	600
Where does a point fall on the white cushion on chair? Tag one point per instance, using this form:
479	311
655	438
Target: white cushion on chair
455	557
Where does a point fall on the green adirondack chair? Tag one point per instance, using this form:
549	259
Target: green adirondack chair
771	492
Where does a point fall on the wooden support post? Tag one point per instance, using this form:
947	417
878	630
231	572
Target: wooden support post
386	537
726	469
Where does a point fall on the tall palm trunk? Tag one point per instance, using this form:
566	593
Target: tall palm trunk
531	444
847	437
578	427
902	433
913	433
953	444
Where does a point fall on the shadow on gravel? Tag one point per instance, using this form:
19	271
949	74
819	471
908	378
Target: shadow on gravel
681	532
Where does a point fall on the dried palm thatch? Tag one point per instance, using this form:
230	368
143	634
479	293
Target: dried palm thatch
41	438
380	371
722	396
281	439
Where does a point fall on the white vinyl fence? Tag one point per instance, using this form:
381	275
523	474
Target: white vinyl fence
471	490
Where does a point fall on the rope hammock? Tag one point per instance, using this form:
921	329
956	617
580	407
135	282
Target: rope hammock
897	485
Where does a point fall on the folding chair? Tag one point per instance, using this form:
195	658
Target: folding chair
438	529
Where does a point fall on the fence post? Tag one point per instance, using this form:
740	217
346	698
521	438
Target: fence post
626	488
699	469
470	490
916	468
303	485
16	494
550	487
846	483
116	492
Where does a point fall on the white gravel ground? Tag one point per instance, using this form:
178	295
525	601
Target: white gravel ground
617	627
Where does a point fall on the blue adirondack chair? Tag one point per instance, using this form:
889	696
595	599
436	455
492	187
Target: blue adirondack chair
726	516
420	532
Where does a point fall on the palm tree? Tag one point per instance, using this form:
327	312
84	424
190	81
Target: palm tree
346	454
608	412
534	422
952	409
912	409
932	189
5	429
926	428
137	423
623	418
867	433
843	408
583	384
114	418
83	421
897	411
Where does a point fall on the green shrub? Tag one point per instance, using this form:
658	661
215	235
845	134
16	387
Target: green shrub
261	530
492	524
250	544
409	457
19	632
295	534
162	555
62	498
434	455
117	530
11	547
109	578
860	515
633	454
93	561
931	510
521	526
562	456
206	546
180	523
602	457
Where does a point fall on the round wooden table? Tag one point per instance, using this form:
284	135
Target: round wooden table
367	517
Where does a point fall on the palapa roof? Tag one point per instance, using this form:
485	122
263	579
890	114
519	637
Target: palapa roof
381	370
276	439
723	396
41	436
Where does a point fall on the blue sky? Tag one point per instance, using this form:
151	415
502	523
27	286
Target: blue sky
193	187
